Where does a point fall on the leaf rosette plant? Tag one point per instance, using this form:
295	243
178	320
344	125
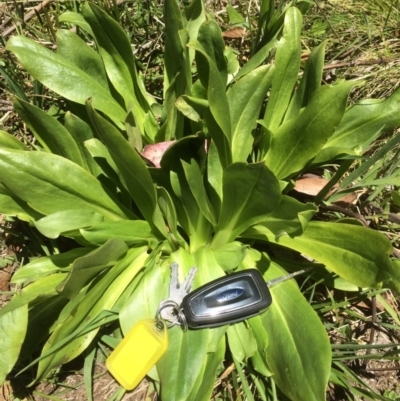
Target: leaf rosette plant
218	198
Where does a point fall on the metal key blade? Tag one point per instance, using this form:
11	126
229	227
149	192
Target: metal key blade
186	286
177	291
275	281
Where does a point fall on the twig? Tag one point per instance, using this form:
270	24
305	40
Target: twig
353	63
346	212
27	17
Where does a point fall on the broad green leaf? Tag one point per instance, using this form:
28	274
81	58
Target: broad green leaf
91	265
98	152
363	120
115	50
54	224
250	193
204	386
213	81
13	326
230	256
211	42
258	59
51	134
41	289
241	341
76	50
232	63
49	191
177	71
234	16
117	55
47	265
42	314
168	210
57	73
290	216
81	132
129	231
341	248
192	108
215	176
144	301
76	19
183	161
298	140
175	59
195	180
101	297
182	364
245	99
287	65
194	15
260	333
310	81
8	141
301	372
132	168
11	205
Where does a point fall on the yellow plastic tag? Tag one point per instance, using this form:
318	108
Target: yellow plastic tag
138	352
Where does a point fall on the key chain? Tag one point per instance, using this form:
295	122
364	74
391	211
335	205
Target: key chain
140	350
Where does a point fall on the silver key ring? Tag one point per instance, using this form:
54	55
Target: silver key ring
168	304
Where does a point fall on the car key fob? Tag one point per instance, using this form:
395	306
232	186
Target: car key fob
226	300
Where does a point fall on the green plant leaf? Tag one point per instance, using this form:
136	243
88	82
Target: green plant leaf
250	193
241	341
291	216
210	59
48	190
340	248
298	140
13	326
245	99
101	297
76	19
177	71
182	366
57	73
8	141
310	81
132	168
68	220
117	55
73	48
47	265
51	134
183	161
11	205
364	120
194	15
91	265
81	132
41	289
301	373
287	65
203	387
129	231
230	256
260	333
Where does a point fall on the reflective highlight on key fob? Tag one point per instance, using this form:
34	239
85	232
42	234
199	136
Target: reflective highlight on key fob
227	300
138	352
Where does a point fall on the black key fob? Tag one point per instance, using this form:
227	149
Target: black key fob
227	300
